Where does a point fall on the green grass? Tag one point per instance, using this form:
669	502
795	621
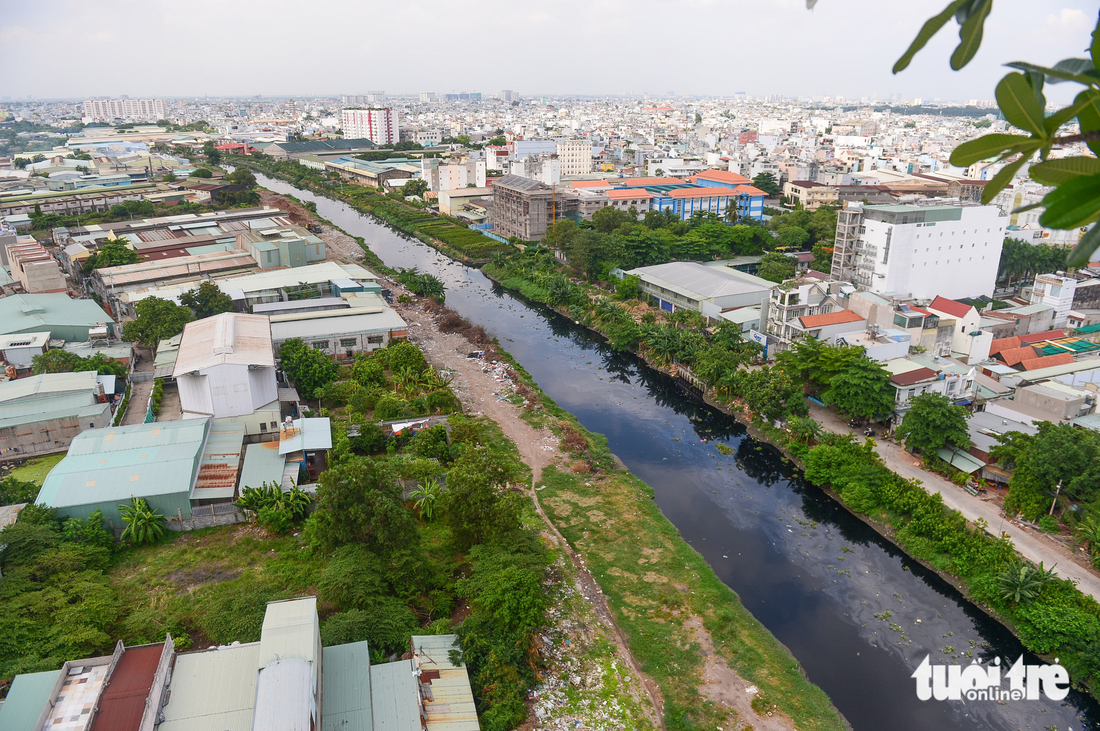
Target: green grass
35	470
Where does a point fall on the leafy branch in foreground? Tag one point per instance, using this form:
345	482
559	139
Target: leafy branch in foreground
1075	200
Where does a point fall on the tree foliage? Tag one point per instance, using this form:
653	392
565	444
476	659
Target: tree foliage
111	253
766	182
143	523
59	360
359	502
156	320
777	267
933	422
422	283
206	300
862	389
308	368
1057	453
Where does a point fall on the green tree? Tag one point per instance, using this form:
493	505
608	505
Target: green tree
793	237
359	502
863	389
213	155
242	176
775	266
309	369
766	182
422	284
1075	201
14	491
426	497
1057	453
156	320
1022	583
609	218
415	187
202	173
111	253
475	506
933	422
58	360
206	300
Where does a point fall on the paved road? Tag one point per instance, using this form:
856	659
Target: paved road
1031	545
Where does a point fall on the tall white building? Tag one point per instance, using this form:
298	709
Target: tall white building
575	157
138	110
920	251
380	125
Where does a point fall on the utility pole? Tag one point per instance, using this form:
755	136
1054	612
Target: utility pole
1055	501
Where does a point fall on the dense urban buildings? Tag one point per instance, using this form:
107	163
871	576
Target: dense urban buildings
129	110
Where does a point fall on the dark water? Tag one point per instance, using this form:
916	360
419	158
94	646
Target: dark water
810	572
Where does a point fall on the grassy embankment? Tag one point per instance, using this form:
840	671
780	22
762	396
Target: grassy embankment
450	236
35	469
657	584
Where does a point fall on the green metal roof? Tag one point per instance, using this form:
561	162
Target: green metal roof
262	463
1072	346
394	697
290	632
47	408
963	461
26	700
347	691
214	689
63	317
1088	329
48	384
111	465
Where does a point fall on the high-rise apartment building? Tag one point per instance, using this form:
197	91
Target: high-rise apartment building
575	157
136	110
378	124
427	97
920	251
371	97
509	96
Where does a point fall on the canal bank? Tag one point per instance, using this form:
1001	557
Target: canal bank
776	540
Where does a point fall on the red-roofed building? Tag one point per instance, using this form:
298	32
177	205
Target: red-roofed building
1047	361
950	308
644	182
721	177
968	339
1015	356
1002	344
1040	337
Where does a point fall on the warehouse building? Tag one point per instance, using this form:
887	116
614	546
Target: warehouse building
290	246
341	333
43	414
63	318
106	467
686	285
285	682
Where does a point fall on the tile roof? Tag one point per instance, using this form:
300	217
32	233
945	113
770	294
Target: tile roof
1037	337
829	318
628	193
724	176
951	307
1015	356
643	182
910	377
749	190
1002	344
700	192
1047	361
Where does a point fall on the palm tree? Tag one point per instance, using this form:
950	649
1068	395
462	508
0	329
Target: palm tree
805	430
426	496
144	524
1088	532
1022	583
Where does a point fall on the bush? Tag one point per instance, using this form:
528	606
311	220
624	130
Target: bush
390	407
431	443
275	518
1049	524
371	439
387	626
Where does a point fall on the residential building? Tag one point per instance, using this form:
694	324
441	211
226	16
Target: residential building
920	252
131	110
452	175
287	681
798	298
293	246
380	125
915	375
689	285
225	367
77	202
574	157
968	341
1066	294
453	202
36	270
524	208
80	182
63	318
42	414
810	195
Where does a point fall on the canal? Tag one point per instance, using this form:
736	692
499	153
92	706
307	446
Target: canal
853	609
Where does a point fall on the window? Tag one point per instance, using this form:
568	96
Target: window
374	339
348	342
320	344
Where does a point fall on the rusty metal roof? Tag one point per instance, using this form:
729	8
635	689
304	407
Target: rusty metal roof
221	459
122	702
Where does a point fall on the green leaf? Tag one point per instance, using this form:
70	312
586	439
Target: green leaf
1082	253
1063	115
970	35
1031	207
1094	47
983	148
1089	114
929	29
1016	98
1072	203
1056	172
1070	69
1002	179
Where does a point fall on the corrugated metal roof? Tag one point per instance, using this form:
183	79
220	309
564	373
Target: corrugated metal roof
305	434
278	278
214	689
48	408
24	340
290	630
221	460
26	700
394	697
114	464
347	690
122	702
448	699
284	696
230	337
47	384
262	463
334	323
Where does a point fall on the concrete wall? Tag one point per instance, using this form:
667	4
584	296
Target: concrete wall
46	437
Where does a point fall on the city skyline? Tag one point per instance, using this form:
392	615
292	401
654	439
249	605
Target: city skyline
806	55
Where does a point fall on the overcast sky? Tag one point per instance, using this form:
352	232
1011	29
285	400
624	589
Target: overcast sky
173	48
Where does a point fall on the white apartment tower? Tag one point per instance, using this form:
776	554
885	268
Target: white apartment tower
920	251
138	110
378	124
575	157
